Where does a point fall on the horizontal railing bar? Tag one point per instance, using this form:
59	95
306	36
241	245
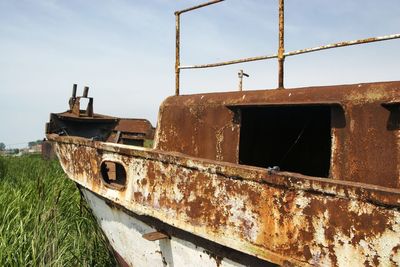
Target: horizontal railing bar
294	53
231	62
197	7
342	44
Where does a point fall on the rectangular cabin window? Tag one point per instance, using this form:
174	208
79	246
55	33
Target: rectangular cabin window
295	138
133	142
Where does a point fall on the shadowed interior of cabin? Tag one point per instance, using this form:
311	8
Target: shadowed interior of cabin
294	138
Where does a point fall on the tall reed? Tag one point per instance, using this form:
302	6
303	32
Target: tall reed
43	221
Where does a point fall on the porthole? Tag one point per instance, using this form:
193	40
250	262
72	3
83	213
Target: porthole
113	174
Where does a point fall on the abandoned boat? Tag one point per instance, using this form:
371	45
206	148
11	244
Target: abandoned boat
294	177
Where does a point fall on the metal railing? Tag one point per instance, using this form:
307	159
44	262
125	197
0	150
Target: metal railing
281	55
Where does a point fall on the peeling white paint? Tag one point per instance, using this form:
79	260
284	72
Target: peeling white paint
125	235
242	211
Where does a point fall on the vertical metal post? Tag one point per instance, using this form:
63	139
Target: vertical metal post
85	91
281	51
177	51
240	74
74	87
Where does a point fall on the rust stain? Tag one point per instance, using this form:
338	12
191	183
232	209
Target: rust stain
268	220
361	142
193	178
219	167
86	123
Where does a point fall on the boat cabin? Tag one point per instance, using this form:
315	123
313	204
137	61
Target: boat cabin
347	132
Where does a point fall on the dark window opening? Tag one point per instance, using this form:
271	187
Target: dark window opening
133	142
294	138
113	174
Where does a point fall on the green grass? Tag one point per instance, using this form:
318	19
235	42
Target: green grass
43	221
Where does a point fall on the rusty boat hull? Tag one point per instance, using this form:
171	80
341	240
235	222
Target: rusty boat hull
136	240
281	218
298	177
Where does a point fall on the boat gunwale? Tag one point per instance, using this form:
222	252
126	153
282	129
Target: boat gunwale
377	195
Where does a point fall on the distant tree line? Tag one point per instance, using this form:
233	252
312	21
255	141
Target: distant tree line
16	150
34	143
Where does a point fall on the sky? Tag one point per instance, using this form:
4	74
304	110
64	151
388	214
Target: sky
124	50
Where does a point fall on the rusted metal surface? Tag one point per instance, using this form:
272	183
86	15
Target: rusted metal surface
100	127
230	62
241	74
66	123
140	126
342	44
279	217
293	53
74	89
193	180
154	236
198	6
124	230
364	133
178	39
177	51
86	123
281	48
75	103
303	177
131	131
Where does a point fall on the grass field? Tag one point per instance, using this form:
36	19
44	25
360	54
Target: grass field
43	221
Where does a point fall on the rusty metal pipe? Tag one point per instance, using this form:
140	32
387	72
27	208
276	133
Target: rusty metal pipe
241	74
177	40
74	87
197	7
342	44
224	63
240	80
177	52
86	91
281	50
293	53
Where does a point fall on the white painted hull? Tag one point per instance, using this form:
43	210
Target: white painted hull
125	234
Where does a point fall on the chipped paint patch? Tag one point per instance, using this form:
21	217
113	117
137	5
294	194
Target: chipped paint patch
125	233
320	222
